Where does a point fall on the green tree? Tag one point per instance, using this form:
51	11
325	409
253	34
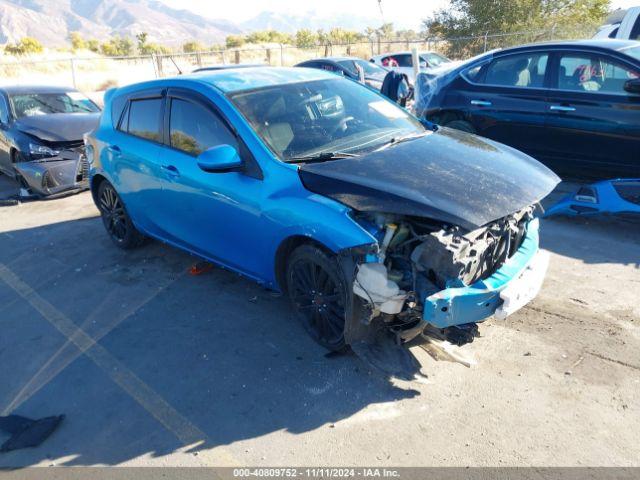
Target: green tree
305	38
77	42
117	47
142	42
234	41
386	31
26	46
193	46
478	17
93	45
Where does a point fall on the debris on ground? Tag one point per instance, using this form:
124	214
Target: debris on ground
199	268
25	432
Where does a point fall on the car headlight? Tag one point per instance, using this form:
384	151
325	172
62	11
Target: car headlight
37	150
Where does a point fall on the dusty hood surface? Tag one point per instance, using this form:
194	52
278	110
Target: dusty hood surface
447	176
58	127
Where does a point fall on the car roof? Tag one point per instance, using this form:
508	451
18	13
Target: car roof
404	52
25	89
601	43
228	66
231	80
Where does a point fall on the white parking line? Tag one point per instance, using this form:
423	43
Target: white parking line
143	394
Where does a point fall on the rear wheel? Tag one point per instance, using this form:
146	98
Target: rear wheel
115	218
317	292
461	125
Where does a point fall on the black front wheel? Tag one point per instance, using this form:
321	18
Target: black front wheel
317	292
115	218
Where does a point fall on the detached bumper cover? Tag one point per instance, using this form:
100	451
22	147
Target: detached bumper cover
55	175
523	272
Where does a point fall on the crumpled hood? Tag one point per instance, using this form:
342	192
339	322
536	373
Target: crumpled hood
448	176
58	127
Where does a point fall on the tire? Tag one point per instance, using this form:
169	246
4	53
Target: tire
461	125
316	289
116	220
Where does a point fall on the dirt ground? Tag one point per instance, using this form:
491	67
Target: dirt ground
153	366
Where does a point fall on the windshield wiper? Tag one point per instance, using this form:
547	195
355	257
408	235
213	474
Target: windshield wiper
321	157
397	140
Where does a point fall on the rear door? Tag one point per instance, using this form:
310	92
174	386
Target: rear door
592	122
134	151
506	100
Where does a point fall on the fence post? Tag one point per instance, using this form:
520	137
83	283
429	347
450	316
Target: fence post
268	56
281	55
224	56
378	44
153	64
485	40
159	63
371	45
198	59
73	73
237	55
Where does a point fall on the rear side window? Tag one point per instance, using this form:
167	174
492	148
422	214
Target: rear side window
145	118
402	60
194	128
524	70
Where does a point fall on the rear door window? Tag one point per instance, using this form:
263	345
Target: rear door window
194	128
525	70
400	60
145	117
585	72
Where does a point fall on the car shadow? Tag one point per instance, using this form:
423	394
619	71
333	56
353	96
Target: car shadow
181	363
598	239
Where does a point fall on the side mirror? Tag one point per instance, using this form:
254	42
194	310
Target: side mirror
632	86
221	158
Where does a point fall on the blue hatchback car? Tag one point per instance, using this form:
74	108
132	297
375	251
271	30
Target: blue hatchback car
375	225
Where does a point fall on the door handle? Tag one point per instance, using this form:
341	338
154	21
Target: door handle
170	170
561	108
481	103
114	149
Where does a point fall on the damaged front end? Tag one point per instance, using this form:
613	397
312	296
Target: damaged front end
65	172
423	278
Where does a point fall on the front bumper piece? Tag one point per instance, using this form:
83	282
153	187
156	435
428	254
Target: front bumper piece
511	287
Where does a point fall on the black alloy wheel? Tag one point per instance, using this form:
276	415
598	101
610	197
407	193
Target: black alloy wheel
317	292
115	218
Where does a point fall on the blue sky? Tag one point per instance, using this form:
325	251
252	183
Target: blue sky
403	13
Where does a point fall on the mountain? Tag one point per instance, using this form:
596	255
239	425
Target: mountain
51	21
312	20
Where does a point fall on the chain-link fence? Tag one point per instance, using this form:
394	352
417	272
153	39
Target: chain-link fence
99	73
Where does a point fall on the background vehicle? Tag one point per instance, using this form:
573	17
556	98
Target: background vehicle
276	176
373	74
402	62
41	131
622	24
575	106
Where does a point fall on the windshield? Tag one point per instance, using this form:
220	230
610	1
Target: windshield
308	118
633	51
30	104
370	69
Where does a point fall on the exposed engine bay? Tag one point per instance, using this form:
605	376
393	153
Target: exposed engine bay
418	258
